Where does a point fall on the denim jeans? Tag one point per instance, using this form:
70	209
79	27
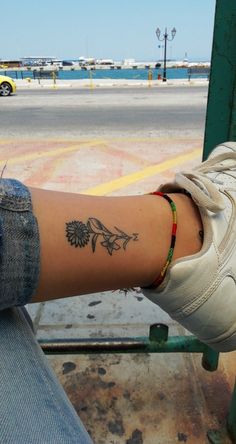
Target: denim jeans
34	408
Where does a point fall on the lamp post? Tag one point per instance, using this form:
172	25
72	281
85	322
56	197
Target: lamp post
165	38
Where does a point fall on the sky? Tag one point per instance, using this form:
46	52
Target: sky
116	29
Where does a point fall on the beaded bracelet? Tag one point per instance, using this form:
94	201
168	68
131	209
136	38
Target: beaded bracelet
162	274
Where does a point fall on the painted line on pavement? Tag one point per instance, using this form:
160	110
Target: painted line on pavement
39	155
121	182
6	142
108	139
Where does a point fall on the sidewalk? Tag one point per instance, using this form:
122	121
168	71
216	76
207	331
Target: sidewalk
105	83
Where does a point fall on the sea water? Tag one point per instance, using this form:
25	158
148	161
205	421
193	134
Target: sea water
129	74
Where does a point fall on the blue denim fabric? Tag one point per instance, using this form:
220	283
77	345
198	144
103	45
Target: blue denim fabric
34	408
19	245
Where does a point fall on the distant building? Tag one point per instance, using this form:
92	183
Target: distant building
129	62
40	61
10	63
105	62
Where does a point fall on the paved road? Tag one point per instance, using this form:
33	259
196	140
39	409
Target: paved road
127	111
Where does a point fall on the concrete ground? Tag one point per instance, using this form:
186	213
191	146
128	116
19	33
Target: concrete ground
122	399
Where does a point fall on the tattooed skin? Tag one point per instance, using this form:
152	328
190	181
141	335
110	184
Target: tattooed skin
79	234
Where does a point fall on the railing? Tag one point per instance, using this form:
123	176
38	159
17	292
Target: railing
157	342
34	74
199	72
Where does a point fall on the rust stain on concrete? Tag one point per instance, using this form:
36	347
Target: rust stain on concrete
145	399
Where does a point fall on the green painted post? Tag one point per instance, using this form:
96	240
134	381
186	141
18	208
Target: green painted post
221	119
210	359
221	107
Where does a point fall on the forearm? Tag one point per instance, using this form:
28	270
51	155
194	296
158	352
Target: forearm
119	245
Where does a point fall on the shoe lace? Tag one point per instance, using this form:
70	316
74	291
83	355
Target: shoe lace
202	186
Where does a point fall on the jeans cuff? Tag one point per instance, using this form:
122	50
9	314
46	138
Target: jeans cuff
19	245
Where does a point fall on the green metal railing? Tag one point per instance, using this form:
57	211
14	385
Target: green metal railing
157	342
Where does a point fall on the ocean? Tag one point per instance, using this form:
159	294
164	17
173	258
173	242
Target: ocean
129	74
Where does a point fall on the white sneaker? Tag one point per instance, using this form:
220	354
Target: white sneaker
199	291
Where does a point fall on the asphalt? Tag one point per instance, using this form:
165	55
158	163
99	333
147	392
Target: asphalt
81	112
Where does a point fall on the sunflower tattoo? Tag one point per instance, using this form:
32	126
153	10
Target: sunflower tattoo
79	234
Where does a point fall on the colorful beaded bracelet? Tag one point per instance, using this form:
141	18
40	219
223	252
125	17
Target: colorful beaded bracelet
162	274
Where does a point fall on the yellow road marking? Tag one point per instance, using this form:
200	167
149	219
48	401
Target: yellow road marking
74	147
148	139
4	142
39	155
108	139
121	182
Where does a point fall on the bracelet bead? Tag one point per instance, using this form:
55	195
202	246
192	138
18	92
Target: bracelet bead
162	274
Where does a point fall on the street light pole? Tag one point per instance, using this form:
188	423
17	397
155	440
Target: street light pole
165	38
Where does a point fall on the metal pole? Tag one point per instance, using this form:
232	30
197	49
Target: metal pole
164	71
157	342
165	38
181	344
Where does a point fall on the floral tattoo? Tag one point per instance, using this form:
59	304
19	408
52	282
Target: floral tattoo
79	234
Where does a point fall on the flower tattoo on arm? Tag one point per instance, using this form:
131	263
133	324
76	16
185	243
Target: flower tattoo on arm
79	234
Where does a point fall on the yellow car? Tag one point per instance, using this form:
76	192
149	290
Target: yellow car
7	86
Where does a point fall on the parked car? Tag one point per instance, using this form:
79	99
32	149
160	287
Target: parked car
7	86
